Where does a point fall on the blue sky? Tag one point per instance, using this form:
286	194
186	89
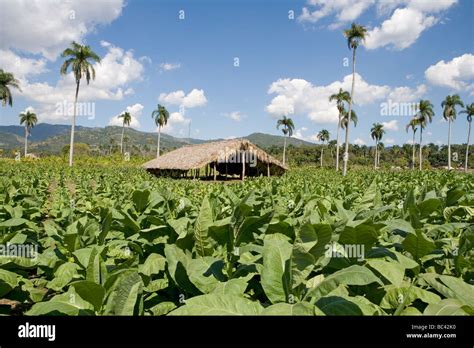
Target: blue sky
289	62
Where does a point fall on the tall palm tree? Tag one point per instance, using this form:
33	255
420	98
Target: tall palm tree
161	116
340	98
78	57
469	111
377	133
424	116
7	80
126	119
354	35
29	119
344	119
449	113
413	124
288	127
323	136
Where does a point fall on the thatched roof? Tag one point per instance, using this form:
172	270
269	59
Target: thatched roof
197	156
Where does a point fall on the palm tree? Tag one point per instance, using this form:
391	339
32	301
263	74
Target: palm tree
288	127
412	124
354	35
323	136
423	116
29	119
77	57
7	80
344	119
377	133
449	114
161	116
340	98
127	118
470	112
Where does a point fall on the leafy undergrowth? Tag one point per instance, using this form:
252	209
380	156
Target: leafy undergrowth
117	241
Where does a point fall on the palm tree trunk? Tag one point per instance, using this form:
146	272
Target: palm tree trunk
375	157
284	150
413	146
421	147
71	145
467	146
26	141
322	153
338	142
449	143
121	140
158	147
346	151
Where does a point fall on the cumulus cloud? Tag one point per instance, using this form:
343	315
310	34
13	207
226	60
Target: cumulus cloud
298	96
359	141
176	124
390	141
135	112
408	19
117	70
48	26
390	125
407	94
193	99
457	73
21	67
344	10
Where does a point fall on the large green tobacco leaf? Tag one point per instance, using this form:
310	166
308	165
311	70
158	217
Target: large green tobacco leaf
395	295
125	295
8	281
178	263
216	304
276	281
201	228
353	275
451	287
418	245
64	274
392	271
154	264
299	309
91	292
69	303
449	306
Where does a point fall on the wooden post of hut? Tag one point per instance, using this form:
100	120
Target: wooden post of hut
268	169
243	166
215	172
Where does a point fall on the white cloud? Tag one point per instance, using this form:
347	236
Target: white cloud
177	124
21	67
235	115
401	30
390	141
359	141
344	10
390	125
47	27
117	70
407	94
408	18
169	66
193	99
134	110
456	73
298	96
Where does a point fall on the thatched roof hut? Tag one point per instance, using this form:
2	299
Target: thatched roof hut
225	159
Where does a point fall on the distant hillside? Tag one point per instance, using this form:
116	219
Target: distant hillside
50	139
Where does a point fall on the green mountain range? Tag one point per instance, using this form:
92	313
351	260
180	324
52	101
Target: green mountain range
51	138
